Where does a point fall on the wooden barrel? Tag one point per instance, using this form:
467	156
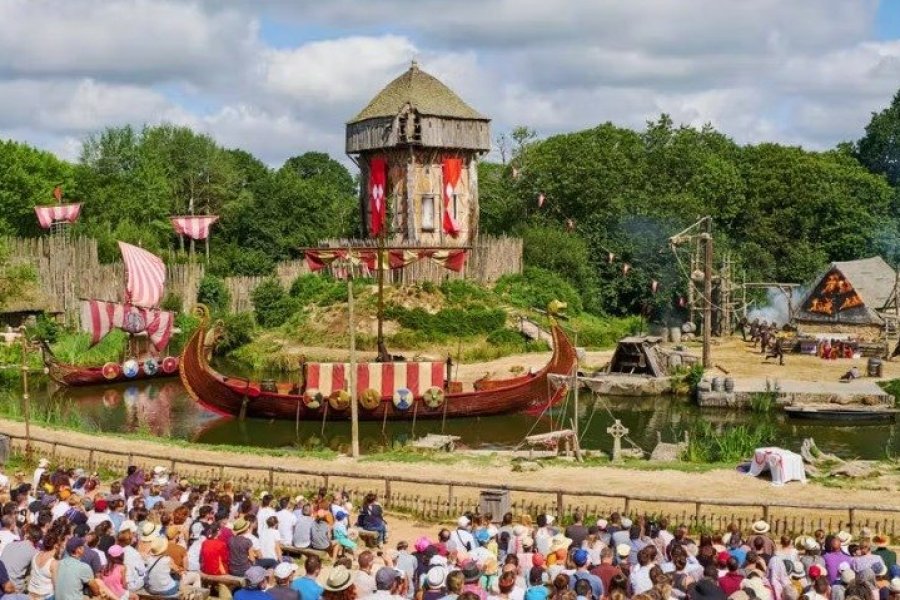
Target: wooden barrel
729	384
875	367
718	385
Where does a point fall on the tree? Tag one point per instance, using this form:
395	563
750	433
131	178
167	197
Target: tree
879	148
16	279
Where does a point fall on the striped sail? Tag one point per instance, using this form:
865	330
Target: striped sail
386	378
194	227
98	318
146	276
57	213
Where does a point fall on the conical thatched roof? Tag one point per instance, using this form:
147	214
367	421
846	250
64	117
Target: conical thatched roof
423	92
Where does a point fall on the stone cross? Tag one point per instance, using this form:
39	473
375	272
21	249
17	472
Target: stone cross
617	431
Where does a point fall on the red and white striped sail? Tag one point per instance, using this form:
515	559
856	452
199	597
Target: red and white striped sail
195	227
57	213
385	378
146	276
98	318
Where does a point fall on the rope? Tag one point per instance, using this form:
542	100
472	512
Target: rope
536	421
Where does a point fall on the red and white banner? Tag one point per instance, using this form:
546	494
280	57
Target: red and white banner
146	276
59	213
453	260
99	318
377	190
452	168
386	378
194	227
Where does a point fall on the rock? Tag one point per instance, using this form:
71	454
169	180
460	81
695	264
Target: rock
526	466
632	453
668	452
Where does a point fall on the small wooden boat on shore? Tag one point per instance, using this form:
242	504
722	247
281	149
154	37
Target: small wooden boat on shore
129	370
855	415
386	390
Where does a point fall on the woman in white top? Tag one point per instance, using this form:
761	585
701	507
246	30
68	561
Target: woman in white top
135	567
43	569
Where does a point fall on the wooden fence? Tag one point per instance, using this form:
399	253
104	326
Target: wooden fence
443	499
68	270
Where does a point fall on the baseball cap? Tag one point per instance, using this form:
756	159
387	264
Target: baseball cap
73	545
580	557
285	570
255	575
385	578
115	551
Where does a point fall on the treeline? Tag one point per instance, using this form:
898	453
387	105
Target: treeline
132	181
781	212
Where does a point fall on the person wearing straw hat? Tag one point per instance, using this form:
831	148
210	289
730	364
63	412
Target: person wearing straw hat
760	531
158	578
241	553
880	542
812	552
339	585
435	580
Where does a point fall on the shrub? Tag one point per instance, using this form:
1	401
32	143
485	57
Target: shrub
214	293
731	444
501	337
45	328
457	322
238	330
272	305
603	332
172	302
187	323
318	289
536	287
460	291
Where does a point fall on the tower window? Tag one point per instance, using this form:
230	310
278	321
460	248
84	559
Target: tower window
427	212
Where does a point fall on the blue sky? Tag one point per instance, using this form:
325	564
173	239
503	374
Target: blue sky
281	77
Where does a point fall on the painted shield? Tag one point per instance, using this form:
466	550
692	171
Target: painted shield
111	370
133	322
339	400
433	397
403	399
130	368
151	366
370	399
170	364
313	399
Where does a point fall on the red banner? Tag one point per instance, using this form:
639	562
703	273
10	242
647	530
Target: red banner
452	168
377	188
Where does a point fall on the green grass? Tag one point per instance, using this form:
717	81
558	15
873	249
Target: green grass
729	445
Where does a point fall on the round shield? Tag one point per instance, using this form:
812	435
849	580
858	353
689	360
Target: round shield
370	399
339	400
133	322
313	399
433	397
111	370
151	366
403	399
130	368
170	364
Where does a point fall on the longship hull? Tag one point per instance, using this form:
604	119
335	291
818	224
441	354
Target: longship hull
234	396
80	376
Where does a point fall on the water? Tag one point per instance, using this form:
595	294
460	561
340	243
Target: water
163	408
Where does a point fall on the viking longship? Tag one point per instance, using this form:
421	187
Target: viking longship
139	316
394	390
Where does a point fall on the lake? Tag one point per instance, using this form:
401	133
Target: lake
163	408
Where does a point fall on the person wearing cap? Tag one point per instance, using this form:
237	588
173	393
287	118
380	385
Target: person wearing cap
389	585
340	585
282	590
461	538
254	585
72	575
241	554
880	543
434	583
113	574
581	560
537	586
892	589
307	587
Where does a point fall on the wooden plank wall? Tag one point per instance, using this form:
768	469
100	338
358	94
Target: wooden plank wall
68	270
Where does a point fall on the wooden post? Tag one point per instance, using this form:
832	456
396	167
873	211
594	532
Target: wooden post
450	495
271	479
707	293
559	505
852	522
387	491
765	511
91	460
627	505
354	407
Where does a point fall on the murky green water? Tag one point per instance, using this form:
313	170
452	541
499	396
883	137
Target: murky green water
163	408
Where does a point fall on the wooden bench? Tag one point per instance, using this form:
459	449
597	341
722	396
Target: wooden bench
304	552
189	594
229	581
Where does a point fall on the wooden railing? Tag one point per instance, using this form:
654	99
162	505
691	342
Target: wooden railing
698	513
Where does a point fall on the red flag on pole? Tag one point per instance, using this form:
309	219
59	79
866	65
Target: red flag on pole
377	186
452	168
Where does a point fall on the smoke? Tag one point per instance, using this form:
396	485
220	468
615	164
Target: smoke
776	309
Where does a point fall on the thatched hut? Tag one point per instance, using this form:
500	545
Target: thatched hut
420	127
850	297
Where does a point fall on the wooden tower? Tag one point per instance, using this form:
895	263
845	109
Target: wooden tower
426	134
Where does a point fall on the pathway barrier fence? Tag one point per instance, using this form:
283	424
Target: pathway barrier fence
440	499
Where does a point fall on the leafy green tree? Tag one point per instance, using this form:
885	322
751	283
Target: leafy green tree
879	148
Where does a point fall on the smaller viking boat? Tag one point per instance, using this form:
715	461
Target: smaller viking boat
139	316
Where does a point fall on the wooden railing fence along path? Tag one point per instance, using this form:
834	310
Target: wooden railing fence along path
451	498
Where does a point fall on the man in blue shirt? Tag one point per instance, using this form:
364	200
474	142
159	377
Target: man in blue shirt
581	558
307	586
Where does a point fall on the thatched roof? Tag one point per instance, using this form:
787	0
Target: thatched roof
422	92
872	278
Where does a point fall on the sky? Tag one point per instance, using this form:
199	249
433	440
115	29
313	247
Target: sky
281	77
